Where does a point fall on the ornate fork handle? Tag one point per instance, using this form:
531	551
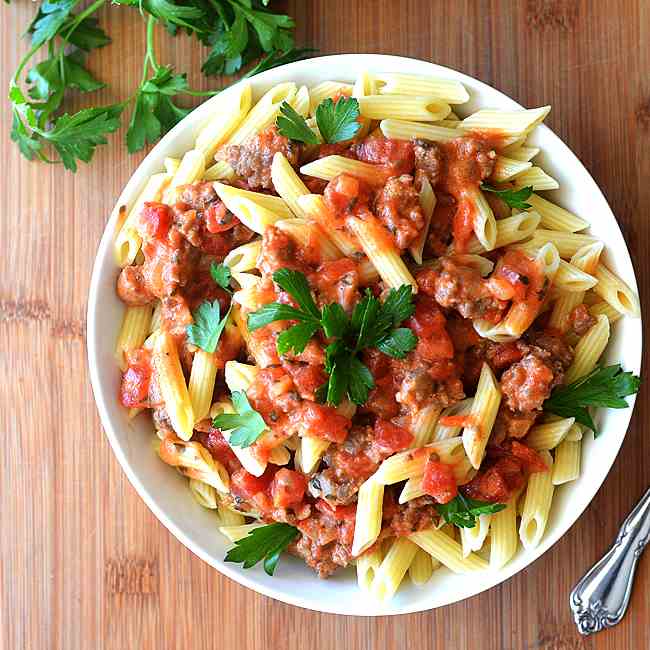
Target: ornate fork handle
600	599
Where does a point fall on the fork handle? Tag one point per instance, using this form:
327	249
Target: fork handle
601	598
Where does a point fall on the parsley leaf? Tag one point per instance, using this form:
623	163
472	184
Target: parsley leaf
601	387
361	382
296	337
293	125
338	121
221	274
155	113
274	311
246	426
263	543
296	285
76	136
514	198
207	326
398	343
462	511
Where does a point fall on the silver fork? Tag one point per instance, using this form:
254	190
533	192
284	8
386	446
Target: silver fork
601	598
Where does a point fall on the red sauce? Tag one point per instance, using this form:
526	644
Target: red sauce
134	389
246	486
156	218
456	420
220	450
463	225
396	156
429	325
323	422
390	438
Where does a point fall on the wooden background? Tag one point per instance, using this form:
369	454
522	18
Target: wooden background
84	562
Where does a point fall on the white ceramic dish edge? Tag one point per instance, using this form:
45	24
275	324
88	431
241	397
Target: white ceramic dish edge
160	488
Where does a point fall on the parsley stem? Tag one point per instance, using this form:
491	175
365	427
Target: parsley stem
90	9
151	54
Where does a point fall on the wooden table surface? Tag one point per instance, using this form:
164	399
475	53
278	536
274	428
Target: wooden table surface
84	563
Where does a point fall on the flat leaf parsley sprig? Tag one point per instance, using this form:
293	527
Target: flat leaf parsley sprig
513	198
237	31
337	121
373	325
606	387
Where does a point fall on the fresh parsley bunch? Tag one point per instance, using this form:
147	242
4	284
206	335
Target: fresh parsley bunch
373	325
606	387
237	31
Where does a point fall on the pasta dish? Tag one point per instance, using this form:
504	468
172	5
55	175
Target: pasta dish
362	332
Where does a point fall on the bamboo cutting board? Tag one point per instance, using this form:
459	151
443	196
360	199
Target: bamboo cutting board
84	562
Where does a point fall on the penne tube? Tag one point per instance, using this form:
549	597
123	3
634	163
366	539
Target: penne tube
136	325
404	130
503	535
244	257
472	539
364	85
191	169
201	385
428	204
537	504
252	214
506	122
235	532
367	565
554	217
508	231
393	568
383	254
423	425
566	465
316	209
229	114
310	235
330	167
397	83
606	309
263	114
311	452
288	184
220	171
403	107
481	416
422	568
484	223
549	435
536	178
589	350
447	551
301	101
506	169
614	291
239	376
325	90
442	431
368	517
171	165
173	389
521	153
273	203
128	239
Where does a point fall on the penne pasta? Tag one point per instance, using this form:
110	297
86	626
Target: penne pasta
506	122
405	130
447	551
288	184
136	325
422	568
403	107
614	291
588	350
205	495
367	566
481	416
393	568
380	250
503	535
428	204
397	83
554	217
201	384
368	517
537	504
506	169
549	435
173	389
508	231
566	464
536	178
192	167
329	167
244	257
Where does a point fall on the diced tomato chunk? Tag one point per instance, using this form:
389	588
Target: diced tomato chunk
246	486
463	225
529	457
134	388
156	219
218	219
439	481
429	324
324	422
390	438
288	488
341	192
396	154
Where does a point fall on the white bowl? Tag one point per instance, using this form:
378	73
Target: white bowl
165	491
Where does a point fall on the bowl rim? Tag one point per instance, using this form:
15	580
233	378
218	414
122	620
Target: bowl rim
336	61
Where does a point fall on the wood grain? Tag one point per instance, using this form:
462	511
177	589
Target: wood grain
84	562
